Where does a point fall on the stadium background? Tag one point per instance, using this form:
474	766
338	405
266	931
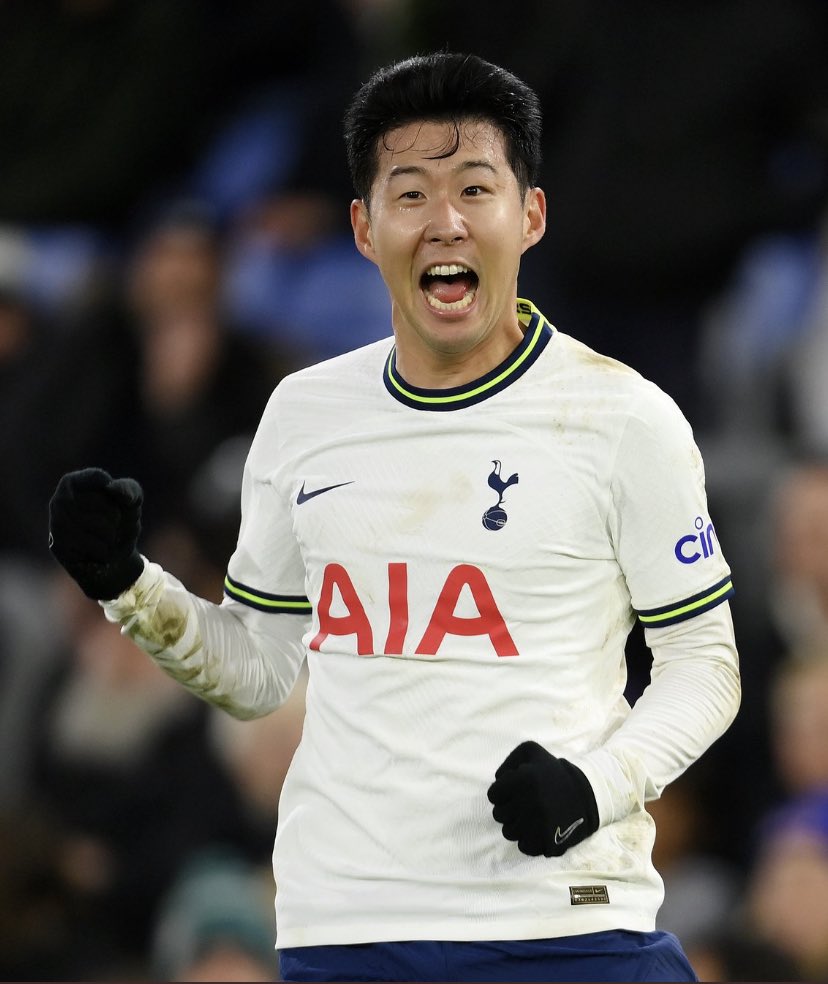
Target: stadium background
174	238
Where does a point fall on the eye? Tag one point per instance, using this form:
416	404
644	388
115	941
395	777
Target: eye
412	196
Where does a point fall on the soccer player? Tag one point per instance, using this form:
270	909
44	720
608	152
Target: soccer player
456	527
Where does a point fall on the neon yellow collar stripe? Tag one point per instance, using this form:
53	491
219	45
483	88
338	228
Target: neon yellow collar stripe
526	312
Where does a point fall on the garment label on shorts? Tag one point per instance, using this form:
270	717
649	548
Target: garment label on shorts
588	895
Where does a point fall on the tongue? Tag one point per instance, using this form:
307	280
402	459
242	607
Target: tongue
449	291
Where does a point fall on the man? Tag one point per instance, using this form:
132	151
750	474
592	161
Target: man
456	527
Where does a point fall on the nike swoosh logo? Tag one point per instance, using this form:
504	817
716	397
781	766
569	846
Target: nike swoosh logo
303	496
560	837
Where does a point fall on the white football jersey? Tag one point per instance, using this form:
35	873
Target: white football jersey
466	565
462	568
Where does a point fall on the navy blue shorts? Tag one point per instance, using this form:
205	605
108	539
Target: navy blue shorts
618	955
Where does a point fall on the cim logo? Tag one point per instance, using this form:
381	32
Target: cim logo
698	545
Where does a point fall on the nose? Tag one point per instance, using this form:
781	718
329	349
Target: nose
446	223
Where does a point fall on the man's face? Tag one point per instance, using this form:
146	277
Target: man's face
447	235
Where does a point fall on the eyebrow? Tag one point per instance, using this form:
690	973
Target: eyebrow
404	169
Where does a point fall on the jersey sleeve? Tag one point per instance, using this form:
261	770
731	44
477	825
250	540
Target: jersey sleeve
678	580
244	655
266	571
664	539
691	700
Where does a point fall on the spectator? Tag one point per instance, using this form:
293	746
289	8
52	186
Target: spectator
216	923
787	901
153	382
125	765
799	722
808	368
700	887
40	934
799	596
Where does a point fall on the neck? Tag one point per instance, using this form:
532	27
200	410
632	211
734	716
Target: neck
431	367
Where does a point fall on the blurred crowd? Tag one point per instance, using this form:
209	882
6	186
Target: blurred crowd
174	239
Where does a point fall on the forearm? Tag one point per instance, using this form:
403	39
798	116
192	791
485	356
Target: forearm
691	700
216	652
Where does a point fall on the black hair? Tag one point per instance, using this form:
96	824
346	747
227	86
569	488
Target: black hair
441	87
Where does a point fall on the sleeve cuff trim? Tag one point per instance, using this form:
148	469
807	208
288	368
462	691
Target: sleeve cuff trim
264	602
689	607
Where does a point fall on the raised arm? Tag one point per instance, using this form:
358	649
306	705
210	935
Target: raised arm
241	660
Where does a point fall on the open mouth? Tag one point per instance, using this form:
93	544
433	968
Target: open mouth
449	287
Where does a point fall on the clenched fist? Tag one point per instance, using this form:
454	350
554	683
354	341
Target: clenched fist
94	524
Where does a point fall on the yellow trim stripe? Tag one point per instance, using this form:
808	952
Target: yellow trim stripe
274	604
691	607
523	316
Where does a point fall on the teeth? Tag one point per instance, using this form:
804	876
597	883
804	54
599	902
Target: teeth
447	270
464	302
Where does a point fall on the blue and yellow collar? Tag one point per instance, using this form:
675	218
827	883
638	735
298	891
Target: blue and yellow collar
537	336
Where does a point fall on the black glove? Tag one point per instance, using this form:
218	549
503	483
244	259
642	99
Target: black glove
545	803
94	524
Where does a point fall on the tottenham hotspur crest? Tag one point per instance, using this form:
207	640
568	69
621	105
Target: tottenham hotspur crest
494	518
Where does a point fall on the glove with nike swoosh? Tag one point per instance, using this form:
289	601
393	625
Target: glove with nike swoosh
94	524
545	803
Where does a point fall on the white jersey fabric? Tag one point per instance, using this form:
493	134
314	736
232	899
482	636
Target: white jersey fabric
461	569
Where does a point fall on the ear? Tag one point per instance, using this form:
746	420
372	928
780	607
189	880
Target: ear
534	217
361	224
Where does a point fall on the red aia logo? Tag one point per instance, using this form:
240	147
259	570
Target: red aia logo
444	620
